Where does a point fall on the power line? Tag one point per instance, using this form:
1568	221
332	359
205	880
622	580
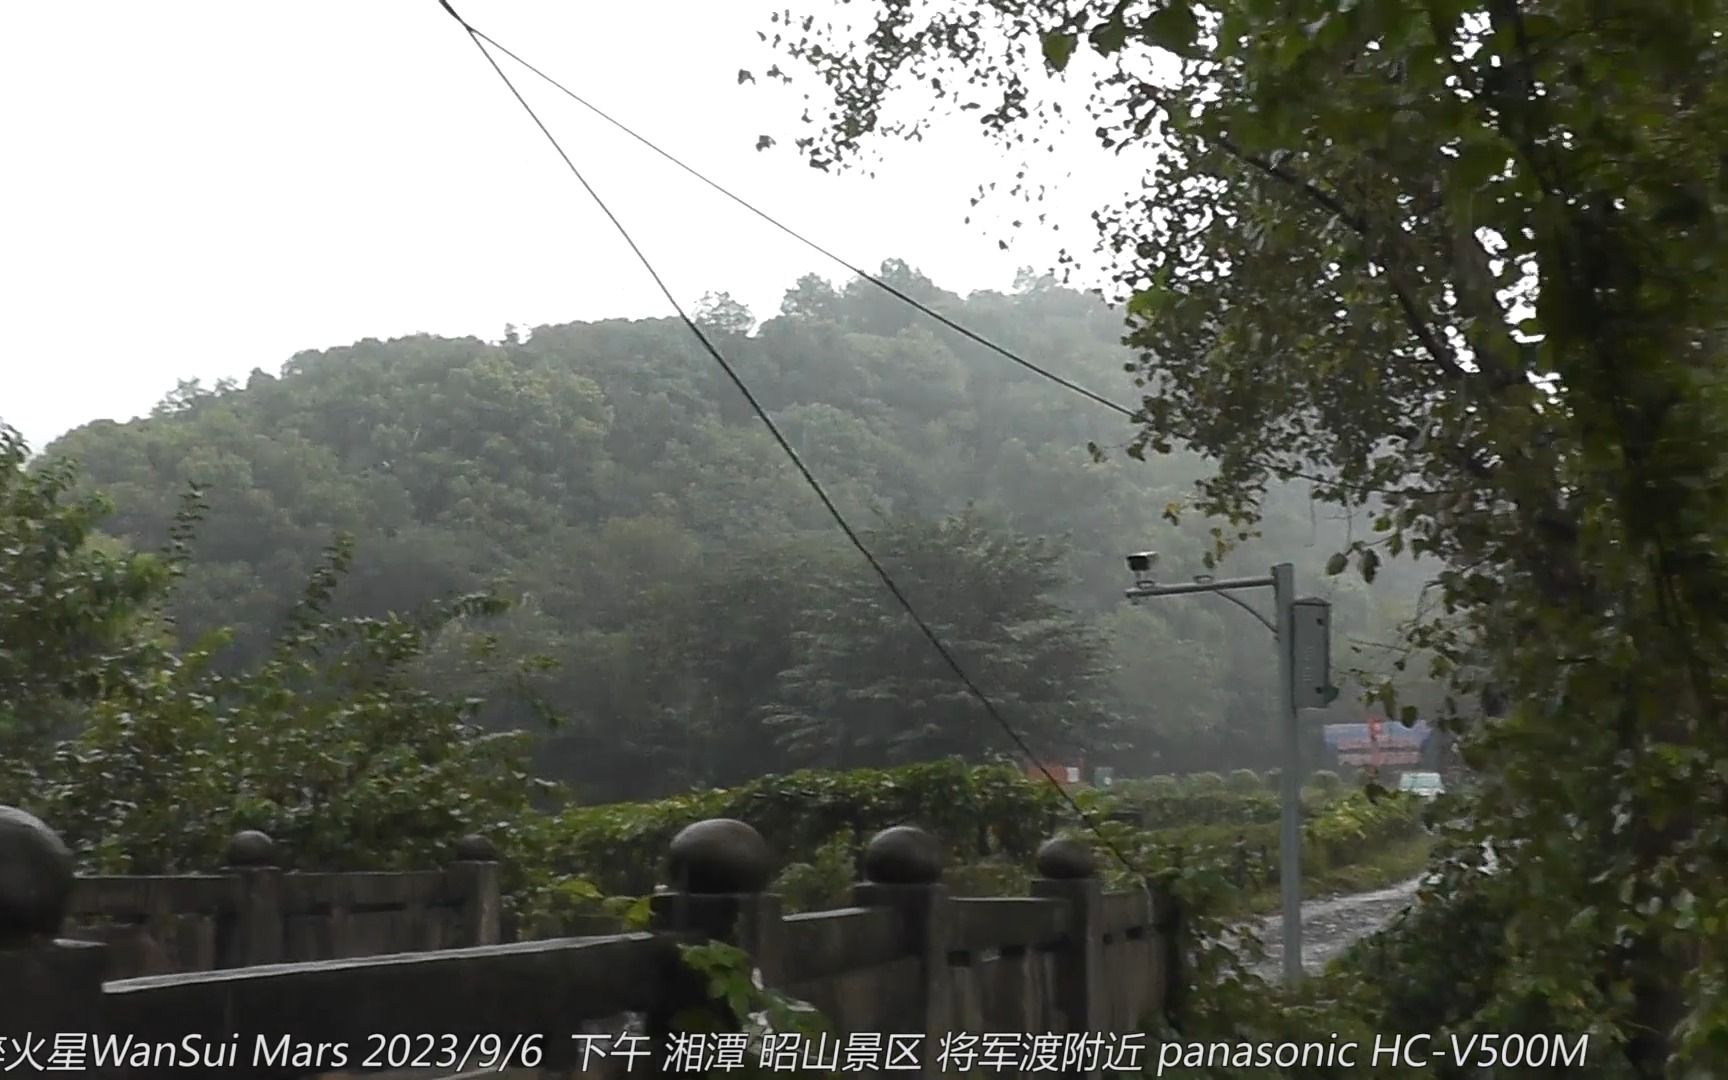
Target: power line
809	478
969	334
806	241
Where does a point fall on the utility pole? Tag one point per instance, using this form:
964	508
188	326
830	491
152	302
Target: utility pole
1290	778
1302	633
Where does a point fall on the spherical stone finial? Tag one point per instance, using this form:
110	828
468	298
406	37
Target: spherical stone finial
720	855
35	877
1066	860
476	847
903	855
249	847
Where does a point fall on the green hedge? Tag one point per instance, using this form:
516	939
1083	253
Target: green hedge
975	811
1165	805
991	820
1206	798
1341	833
1246	780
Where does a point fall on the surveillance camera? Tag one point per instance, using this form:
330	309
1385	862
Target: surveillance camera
1141	561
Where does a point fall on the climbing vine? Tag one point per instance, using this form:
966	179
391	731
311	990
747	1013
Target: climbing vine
775	1024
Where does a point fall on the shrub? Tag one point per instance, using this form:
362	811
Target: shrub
1245	781
1205	781
989	818
1163	786
1166	804
993	877
973	811
328	745
1326	781
825	881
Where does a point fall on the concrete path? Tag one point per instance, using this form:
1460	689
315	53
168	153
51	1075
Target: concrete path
1330	925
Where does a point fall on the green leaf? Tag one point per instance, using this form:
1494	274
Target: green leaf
1173	27
1478	160
1109	36
1058	49
1337	564
1145	303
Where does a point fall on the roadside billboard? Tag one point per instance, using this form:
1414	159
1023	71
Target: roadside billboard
1377	743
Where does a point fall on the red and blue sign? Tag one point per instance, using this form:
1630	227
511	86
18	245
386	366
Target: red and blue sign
1376	742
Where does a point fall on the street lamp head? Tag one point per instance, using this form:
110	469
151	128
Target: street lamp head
1140	564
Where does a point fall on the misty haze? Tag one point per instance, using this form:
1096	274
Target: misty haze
1153	538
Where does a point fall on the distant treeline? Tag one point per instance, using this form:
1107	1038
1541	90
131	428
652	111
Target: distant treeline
707	622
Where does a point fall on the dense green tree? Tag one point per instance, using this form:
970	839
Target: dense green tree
328	746
866	688
77	615
146	758
1465	259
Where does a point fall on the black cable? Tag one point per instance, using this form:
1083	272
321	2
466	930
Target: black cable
809	478
919	305
806	241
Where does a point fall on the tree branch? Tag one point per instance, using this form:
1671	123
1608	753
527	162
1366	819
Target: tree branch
1357	223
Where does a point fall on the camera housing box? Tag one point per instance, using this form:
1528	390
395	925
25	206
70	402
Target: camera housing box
1311	654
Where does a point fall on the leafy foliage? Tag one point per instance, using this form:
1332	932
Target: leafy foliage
974	811
327	747
710	626
1244	780
737	1000
1325	780
825	881
1461	263
1008	634
1162	801
75	613
147	758
990	821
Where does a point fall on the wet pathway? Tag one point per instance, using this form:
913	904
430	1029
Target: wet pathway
1330	925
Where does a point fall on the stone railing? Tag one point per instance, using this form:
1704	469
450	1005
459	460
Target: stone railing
905	958
254	913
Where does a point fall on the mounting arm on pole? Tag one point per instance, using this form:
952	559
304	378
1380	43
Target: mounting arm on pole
1302	634
1203	579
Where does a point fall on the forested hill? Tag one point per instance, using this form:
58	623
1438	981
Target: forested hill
709	621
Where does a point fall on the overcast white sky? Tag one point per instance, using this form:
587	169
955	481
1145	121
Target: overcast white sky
197	189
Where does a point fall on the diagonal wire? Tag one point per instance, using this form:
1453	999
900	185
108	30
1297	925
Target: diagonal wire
805	240
963	331
809	478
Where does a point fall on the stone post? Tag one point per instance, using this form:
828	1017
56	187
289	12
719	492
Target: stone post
49	986
259	931
718	869
1167	923
1067	872
474	877
903	872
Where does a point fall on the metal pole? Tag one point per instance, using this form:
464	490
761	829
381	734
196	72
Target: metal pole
1290	861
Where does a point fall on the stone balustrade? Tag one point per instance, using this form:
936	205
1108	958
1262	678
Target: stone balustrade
905	957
